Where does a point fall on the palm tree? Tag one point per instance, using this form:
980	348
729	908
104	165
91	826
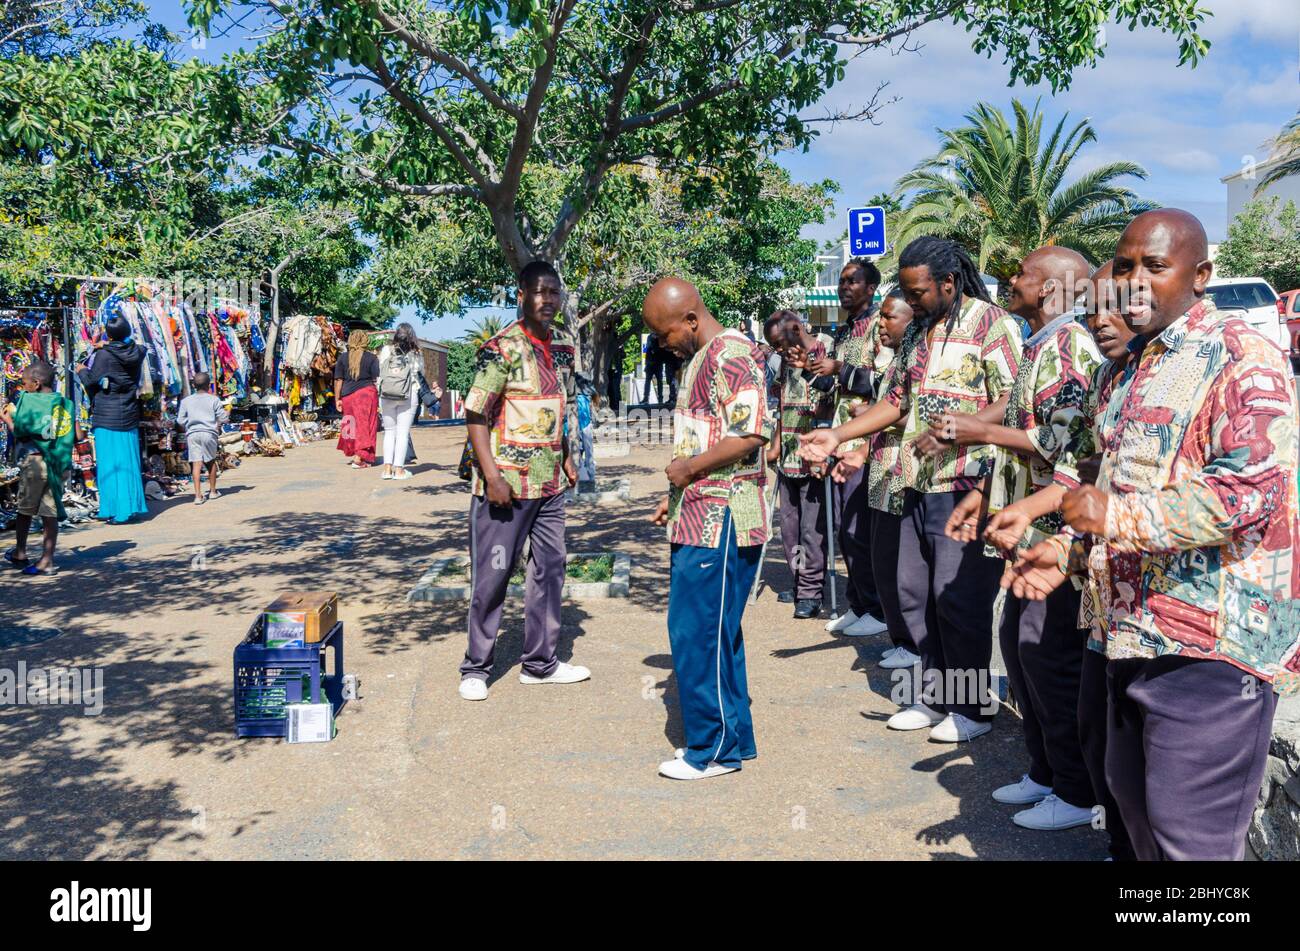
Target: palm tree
483	331
1000	191
1287	148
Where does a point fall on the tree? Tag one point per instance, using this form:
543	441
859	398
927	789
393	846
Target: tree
455	99
1001	191
1263	241
484	330
1287	148
460	364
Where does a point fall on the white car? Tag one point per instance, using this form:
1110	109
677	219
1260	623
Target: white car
1258	300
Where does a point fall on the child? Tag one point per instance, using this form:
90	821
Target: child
202	414
45	430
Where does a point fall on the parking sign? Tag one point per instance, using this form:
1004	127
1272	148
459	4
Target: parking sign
867	231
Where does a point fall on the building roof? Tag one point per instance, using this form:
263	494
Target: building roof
1255	169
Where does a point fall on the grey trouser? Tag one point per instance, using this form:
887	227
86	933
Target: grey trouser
496	539
803	533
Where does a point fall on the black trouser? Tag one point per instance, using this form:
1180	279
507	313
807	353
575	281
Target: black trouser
1042	647
946	591
853	536
803	533
654	370
1092	740
885	527
1186	748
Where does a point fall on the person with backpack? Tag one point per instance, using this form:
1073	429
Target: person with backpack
399	398
111	378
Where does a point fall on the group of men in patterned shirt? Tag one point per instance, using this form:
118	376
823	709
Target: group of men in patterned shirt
1106	476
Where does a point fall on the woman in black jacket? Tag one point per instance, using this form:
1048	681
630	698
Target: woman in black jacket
111	376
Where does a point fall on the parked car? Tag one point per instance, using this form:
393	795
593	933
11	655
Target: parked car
1288	305
1257	298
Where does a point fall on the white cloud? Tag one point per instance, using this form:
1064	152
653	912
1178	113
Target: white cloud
1187	126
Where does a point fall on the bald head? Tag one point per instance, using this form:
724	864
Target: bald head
675	312
1048	283
1161	268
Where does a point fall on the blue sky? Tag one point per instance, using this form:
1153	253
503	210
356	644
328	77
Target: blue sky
1188	127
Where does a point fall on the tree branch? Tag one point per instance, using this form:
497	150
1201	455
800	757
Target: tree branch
424	46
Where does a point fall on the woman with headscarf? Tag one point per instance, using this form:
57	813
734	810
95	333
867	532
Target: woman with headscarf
355	393
111	377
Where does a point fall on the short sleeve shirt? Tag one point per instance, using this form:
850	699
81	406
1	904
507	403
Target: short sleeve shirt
800	407
524	387
856	346
723	393
1046	401
962	370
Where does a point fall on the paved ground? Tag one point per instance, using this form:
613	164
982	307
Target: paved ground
415	772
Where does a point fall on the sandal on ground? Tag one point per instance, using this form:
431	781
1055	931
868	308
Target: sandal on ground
32	571
200	500
16	562
403	475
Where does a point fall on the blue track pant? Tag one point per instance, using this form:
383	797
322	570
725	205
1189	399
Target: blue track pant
706	600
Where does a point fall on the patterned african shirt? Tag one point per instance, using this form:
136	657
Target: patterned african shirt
1047	403
722	394
962	370
1199	463
857	345
526	394
800	407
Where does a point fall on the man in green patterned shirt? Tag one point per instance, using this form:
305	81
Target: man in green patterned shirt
801	485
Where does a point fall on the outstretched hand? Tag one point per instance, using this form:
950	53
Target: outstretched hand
1037	572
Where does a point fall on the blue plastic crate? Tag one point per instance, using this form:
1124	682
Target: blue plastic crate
266	679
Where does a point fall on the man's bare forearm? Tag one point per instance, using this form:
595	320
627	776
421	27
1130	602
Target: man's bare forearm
728	450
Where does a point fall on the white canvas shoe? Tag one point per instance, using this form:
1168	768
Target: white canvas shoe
955	728
1023	793
916	717
898	658
1052	814
680	769
472	688
865	626
562	674
844	620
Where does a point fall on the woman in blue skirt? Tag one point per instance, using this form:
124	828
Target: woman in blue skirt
111	376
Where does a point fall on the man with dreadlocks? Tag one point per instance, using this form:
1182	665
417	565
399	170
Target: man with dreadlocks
849	376
960	354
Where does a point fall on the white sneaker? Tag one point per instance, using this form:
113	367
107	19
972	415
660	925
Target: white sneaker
865	626
897	658
955	728
916	717
1052	814
472	688
843	621
680	769
562	674
1022	793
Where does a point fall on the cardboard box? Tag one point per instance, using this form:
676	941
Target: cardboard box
308	615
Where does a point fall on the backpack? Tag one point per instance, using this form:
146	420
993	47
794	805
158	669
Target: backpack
395	377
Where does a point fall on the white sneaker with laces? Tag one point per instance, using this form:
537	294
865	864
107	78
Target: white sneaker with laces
1023	793
472	688
916	717
898	658
955	728
680	769
865	626
562	674
844	620
1052	814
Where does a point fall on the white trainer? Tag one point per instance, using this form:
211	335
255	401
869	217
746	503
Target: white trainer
1024	793
472	688
955	728
844	620
865	626
1052	814
897	658
562	674
916	717
680	769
